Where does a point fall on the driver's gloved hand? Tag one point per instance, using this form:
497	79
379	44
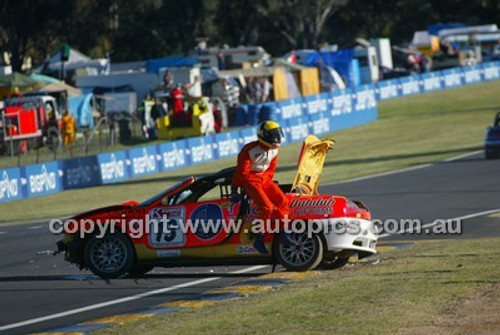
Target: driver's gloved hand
235	196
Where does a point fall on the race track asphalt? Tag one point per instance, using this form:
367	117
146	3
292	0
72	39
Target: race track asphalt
34	284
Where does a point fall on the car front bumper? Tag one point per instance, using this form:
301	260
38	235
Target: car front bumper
350	234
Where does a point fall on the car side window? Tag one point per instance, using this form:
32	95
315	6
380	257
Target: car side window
207	192
212	194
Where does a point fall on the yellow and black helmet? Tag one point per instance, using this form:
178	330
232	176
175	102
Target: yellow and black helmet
270	134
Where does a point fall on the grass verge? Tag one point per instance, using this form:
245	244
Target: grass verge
434	287
410	131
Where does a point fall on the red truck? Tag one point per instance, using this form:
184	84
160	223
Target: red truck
25	122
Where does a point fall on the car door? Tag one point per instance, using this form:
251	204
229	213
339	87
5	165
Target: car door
199	222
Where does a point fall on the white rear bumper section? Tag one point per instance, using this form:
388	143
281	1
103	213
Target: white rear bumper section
350	234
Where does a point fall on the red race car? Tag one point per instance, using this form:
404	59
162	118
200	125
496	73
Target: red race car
195	223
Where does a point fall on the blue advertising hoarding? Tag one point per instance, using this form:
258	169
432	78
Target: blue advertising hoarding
289	108
200	149
43	179
452	78
11	186
144	161
173	155
247	135
298	129
80	172
114	166
472	74
316	104
341	102
491	71
227	144
319	123
387	89
409	85
430	82
365	97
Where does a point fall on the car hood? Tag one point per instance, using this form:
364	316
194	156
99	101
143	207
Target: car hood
101	210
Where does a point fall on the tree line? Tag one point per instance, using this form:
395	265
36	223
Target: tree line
129	30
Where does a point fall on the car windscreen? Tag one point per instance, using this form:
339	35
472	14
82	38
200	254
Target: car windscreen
162	194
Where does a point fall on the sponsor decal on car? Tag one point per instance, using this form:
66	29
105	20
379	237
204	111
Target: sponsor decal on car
306	207
246	250
165	227
168	253
321	202
208	213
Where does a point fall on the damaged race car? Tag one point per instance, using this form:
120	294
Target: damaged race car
194	223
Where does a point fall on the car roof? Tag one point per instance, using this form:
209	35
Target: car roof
226	174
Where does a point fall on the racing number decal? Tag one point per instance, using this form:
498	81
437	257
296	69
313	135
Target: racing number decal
165	227
167	232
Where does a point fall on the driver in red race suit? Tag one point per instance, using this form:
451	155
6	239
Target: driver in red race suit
254	174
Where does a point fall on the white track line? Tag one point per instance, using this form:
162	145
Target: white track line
383	174
427	225
462	156
122	300
412	168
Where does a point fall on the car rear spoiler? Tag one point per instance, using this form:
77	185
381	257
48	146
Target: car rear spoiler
311	161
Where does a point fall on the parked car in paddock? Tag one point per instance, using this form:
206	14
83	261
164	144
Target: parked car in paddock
331	227
492	140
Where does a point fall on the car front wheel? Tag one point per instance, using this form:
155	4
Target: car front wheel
110	256
298	251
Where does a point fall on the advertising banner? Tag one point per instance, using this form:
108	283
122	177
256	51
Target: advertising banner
114	166
80	172
11	187
43	179
227	144
144	161
173	155
200	149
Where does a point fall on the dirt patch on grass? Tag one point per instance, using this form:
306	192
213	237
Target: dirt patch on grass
477	314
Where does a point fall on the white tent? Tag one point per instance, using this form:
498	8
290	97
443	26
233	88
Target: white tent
75	60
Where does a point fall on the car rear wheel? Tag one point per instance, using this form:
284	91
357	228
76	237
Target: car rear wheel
110	256
297	251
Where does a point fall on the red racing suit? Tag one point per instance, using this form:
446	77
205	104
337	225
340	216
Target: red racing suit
254	173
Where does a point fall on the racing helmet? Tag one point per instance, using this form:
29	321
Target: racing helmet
270	134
